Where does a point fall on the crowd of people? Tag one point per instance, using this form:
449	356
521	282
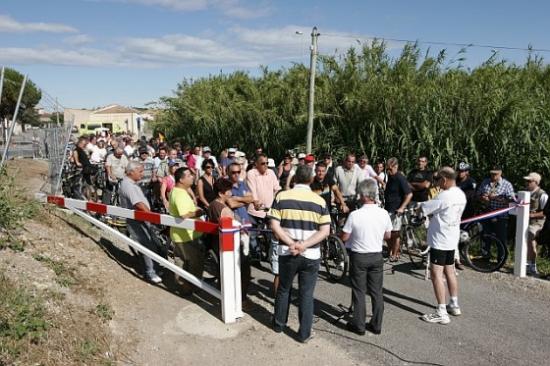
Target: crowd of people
297	196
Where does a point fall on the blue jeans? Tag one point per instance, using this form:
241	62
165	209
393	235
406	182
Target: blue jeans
140	233
307	270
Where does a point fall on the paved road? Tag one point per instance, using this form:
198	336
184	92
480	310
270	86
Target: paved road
505	320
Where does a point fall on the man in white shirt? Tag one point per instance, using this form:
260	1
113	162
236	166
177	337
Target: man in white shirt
443	237
364	232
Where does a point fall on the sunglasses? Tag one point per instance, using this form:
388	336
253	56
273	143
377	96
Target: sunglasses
236	172
209	167
264	163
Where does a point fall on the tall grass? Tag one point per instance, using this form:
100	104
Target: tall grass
371	103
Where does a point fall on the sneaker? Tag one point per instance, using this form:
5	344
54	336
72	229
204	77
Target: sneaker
155	279
436	318
454	310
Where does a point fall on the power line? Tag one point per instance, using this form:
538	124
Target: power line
437	43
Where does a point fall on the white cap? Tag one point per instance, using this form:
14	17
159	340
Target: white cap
231	150
301	156
240	154
270	163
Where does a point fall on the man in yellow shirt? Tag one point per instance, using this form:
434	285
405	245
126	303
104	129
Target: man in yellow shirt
187	243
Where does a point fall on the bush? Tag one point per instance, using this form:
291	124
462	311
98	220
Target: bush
15	208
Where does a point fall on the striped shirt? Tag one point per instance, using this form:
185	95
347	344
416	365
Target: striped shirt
301	212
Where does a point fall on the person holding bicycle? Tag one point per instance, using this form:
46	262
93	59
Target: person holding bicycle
443	237
364	232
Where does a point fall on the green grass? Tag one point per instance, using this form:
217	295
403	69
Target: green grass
22	319
104	312
64	274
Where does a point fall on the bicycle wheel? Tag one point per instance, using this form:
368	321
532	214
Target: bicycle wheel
415	246
485	253
335	258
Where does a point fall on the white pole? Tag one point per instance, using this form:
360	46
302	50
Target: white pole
237	272
522	225
13	122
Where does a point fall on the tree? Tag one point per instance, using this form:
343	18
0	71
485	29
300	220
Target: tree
10	93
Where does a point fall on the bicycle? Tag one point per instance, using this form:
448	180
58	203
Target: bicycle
480	250
413	236
334	254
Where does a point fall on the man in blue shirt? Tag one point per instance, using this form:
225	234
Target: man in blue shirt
239	201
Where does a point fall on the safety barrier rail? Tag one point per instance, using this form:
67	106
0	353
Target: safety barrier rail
229	241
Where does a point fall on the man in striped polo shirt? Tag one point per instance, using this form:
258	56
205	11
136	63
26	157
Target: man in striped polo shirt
301	220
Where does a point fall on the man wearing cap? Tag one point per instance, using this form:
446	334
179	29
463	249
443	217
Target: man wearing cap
495	193
539	198
228	160
309	160
468	185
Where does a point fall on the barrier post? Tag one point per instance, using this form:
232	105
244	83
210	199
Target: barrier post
237	270
522	225
227	270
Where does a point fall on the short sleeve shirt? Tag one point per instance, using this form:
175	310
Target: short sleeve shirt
118	166
241	213
301	213
180	204
367	227
419	176
130	195
446	211
397	188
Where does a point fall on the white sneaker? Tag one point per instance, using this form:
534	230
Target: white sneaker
454	310
436	318
155	279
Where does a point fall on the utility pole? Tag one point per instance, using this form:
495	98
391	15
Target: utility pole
13	122
312	68
1	117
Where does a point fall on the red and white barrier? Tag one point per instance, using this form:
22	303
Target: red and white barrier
229	234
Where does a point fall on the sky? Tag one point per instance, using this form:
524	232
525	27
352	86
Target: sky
91	53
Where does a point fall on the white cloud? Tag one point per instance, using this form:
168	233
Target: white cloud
8	24
183	49
53	56
79	40
230	8
235	47
180	5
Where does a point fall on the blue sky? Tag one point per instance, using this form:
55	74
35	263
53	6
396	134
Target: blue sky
90	53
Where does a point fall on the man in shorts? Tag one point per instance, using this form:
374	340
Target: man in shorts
539	199
397	196
443	237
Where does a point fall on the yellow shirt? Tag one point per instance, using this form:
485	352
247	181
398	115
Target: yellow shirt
180	204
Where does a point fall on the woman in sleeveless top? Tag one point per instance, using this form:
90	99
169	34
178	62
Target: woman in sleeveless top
284	170
205	185
168	183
